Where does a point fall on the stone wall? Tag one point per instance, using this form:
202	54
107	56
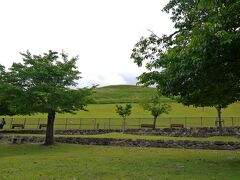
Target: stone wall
176	132
187	144
63	132
188	132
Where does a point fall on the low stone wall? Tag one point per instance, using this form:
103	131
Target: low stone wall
25	139
63	132
176	132
188	132
187	144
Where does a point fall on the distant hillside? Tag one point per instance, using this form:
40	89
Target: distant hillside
122	94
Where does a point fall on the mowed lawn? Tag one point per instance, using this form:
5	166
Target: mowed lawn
177	110
63	161
103	116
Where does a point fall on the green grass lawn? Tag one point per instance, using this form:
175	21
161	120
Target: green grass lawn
178	110
123	94
105	116
64	161
146	137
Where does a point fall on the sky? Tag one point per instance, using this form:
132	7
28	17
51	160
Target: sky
102	33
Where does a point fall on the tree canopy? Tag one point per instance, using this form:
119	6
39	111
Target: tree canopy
8	93
124	112
46	83
155	106
198	63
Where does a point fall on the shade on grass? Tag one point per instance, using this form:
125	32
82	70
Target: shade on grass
98	162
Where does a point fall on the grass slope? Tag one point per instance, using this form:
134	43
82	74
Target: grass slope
177	110
109	96
105	115
123	94
64	161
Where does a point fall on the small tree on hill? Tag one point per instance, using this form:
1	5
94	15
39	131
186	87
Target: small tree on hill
46	83
155	107
124	112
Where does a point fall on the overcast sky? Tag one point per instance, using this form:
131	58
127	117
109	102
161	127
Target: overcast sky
101	32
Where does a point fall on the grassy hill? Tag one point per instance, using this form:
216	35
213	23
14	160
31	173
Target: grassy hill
107	97
122	94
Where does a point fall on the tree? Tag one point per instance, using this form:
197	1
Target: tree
7	94
46	83
198	63
155	106
3	104
124	112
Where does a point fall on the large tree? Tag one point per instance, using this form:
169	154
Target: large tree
47	86
198	63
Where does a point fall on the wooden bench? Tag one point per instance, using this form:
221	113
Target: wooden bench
176	125
147	126
42	125
17	125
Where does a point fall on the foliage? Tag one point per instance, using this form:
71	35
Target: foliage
124	111
8	99
8	93
199	62
2	72
46	83
155	106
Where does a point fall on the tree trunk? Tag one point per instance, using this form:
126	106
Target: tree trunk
49	140
219	112
124	124
154	122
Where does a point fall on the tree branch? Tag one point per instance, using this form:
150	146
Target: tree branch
168	37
